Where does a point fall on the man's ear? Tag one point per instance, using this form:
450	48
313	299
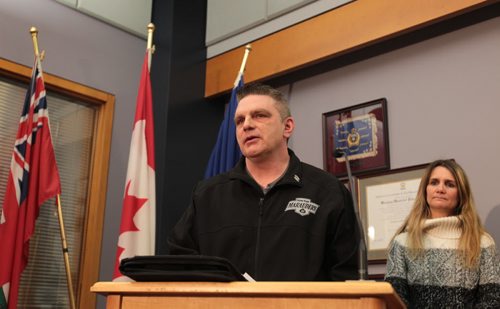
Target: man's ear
289	126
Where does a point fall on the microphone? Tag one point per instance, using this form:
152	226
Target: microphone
362	253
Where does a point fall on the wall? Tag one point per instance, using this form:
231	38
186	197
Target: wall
442	96
251	20
90	52
443	102
346	32
131	16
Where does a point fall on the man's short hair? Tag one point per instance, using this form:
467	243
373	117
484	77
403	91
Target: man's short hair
261	89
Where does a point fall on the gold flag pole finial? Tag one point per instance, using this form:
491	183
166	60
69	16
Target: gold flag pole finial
151	29
248	48
150	46
34	34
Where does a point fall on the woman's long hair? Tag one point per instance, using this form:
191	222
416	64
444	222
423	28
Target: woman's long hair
469	245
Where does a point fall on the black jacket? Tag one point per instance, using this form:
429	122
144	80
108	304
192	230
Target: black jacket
303	229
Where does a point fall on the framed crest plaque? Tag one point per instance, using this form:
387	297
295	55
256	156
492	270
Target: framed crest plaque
361	132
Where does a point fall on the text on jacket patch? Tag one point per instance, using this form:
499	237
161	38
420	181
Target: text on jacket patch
302	206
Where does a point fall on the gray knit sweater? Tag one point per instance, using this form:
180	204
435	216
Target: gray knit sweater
438	279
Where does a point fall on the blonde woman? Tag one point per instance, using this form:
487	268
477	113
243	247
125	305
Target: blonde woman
441	257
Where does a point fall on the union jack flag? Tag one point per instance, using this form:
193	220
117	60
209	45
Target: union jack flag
33	179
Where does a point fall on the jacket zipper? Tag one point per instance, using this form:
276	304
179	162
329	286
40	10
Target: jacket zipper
257	245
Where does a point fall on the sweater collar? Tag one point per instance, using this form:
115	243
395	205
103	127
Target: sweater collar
446	227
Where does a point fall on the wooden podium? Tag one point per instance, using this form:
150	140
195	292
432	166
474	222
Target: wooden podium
242	295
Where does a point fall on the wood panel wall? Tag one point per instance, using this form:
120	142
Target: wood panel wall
334	33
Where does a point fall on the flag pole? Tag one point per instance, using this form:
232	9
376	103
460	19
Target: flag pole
248	48
34	33
65	253
150	46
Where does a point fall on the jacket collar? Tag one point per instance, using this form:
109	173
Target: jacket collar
293	175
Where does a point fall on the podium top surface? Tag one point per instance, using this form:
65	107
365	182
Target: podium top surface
281	289
367	288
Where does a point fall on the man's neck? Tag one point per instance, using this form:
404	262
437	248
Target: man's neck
267	170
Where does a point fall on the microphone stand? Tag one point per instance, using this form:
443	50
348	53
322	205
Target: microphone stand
362	253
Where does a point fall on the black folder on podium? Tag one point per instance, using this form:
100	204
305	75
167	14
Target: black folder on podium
154	268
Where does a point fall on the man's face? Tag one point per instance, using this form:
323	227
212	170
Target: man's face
260	131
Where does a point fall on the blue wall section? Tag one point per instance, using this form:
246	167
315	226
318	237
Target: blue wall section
186	125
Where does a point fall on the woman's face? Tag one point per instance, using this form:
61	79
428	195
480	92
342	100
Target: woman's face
442	193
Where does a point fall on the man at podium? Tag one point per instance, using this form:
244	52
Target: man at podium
273	216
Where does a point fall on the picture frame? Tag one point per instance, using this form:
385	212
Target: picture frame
360	131
385	200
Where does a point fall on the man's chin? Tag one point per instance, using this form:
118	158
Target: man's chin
251	154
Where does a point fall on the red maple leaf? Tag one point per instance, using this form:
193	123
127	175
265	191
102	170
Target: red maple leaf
117	272
131	205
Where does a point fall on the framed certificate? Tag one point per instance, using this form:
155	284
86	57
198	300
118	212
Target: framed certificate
361	132
385	200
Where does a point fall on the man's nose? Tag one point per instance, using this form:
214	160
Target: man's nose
247	123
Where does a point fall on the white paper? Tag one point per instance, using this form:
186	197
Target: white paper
248	277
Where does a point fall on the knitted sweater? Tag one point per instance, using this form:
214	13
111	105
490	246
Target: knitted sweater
439	279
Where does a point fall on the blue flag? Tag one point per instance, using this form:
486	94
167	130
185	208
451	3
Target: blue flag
226	152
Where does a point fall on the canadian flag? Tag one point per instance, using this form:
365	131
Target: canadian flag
137	229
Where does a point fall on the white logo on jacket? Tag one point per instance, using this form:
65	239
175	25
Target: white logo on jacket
302	206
